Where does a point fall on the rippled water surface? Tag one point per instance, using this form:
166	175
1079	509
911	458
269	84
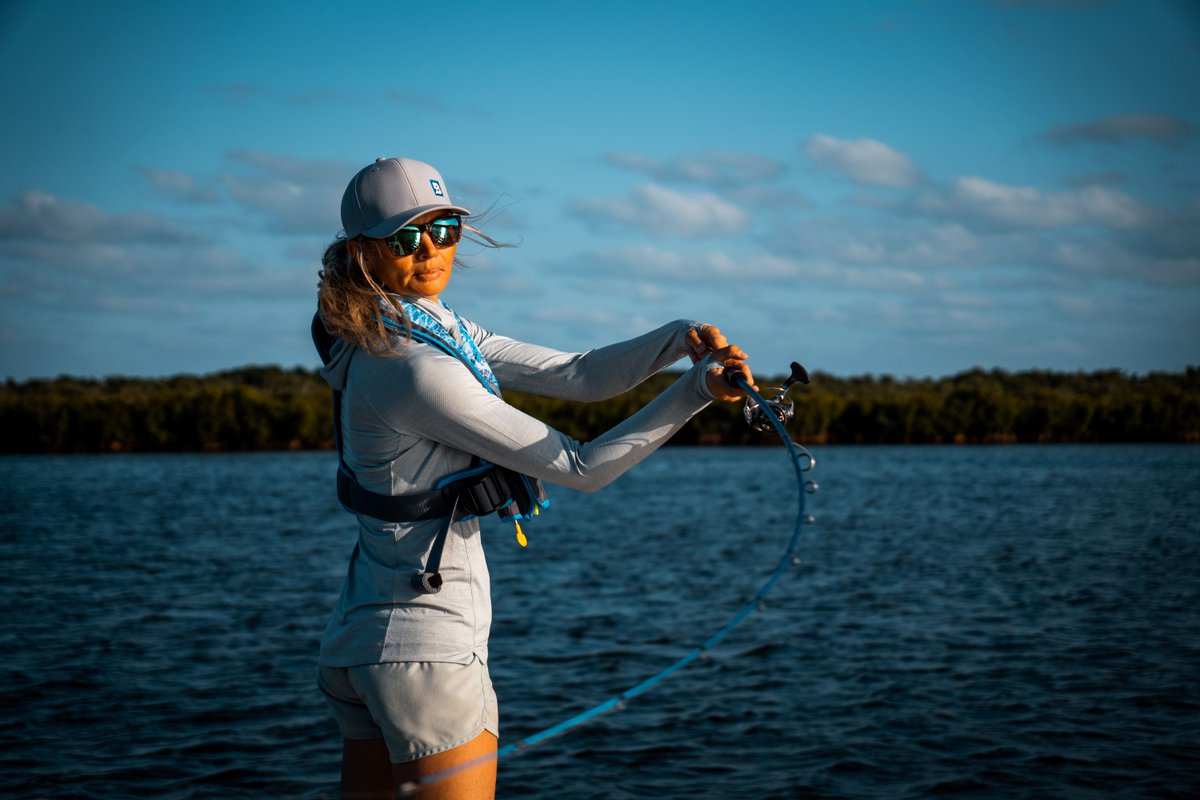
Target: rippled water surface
980	622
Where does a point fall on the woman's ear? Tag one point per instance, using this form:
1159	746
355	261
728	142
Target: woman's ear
359	254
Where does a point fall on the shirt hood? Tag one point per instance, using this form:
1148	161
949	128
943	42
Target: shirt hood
338	368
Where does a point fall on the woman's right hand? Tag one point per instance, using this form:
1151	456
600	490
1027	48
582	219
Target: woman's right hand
734	359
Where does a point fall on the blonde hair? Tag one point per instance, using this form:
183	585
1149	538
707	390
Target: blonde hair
348	299
352	303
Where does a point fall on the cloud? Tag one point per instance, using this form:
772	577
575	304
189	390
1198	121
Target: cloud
1052	3
237	94
982	204
409	101
1075	237
294	169
102	276
241	95
1123	260
1017	238
901	243
1119	129
587	317
292	195
1164	252
714	168
866	161
744	179
664	211
295	195
770	197
743	274
317	98
1105	178
57	253
169	183
422	102
38	215
707	265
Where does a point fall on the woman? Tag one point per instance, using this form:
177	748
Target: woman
404	658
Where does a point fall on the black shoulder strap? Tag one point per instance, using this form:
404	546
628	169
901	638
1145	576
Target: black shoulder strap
480	491
432	504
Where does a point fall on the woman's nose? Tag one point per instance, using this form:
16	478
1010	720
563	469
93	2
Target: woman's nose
427	247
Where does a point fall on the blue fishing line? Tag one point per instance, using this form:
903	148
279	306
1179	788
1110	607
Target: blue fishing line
803	461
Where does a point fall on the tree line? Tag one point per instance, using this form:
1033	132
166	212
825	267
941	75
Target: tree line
270	408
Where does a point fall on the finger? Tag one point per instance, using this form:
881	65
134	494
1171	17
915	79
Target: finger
739	366
696	348
721	387
713	336
730	352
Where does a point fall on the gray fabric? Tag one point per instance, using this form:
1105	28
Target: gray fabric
387	195
413	418
417	707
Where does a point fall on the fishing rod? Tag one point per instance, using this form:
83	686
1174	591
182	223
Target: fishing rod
763	415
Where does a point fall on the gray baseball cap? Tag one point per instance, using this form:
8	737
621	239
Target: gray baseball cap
387	195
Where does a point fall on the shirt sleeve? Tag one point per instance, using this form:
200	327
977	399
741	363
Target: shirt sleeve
446	404
584	377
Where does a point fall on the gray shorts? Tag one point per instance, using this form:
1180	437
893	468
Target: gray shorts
417	707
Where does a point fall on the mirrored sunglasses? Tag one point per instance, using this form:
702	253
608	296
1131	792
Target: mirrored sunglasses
406	241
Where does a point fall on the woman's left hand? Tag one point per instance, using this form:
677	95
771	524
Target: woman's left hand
708	339
703	340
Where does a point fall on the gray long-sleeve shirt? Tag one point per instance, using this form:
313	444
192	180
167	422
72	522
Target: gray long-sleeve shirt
410	419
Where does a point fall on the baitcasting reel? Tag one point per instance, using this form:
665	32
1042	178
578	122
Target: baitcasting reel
782	407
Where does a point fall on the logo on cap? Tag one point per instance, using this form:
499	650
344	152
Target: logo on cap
437	187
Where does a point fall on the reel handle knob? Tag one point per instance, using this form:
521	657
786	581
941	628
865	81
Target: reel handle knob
799	375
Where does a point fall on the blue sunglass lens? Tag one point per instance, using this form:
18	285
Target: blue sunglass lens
404	241
407	240
445	231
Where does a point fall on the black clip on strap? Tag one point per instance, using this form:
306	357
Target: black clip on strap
430	581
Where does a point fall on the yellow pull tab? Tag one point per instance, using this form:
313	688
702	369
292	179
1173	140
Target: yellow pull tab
535	509
521	540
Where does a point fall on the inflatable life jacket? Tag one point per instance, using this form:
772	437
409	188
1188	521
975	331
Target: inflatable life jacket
481	489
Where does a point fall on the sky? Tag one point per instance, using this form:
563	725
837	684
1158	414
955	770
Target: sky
891	188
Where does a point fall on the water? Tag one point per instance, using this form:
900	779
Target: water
983	622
